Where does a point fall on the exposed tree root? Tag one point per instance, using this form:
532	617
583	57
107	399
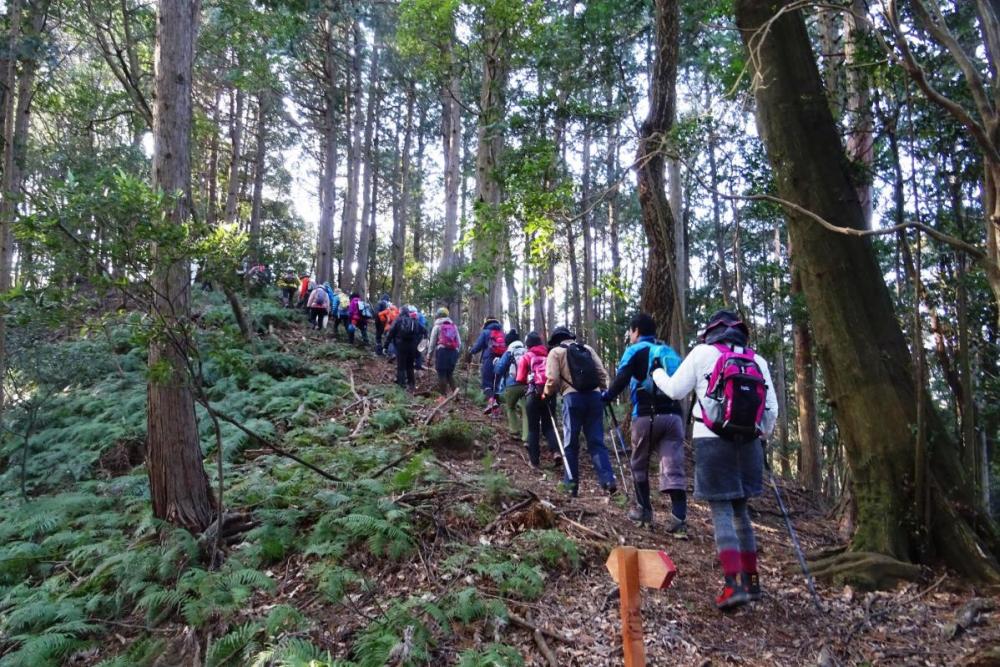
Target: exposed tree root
865	570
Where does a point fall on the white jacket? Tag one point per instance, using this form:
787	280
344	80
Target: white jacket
694	372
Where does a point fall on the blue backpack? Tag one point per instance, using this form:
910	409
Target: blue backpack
668	359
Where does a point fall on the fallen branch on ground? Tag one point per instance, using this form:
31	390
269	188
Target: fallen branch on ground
522	623
437	409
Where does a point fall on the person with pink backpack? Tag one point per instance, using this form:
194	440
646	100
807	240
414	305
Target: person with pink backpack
443	350
531	373
736	408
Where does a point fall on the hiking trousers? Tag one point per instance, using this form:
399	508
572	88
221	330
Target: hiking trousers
445	361
488	377
514	407
585	411
317	317
406	358
539	415
663	435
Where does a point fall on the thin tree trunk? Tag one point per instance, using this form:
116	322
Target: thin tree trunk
399	233
780	382
810	446
860	138
259	169
718	233
370	164
178	484
212	207
574	278
589	324
328	175
236	142
451	135
356	124
418	201
865	358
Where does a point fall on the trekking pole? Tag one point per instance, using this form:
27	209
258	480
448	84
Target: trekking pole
810	584
555	429
614	445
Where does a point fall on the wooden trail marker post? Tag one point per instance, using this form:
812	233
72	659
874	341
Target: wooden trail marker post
631	568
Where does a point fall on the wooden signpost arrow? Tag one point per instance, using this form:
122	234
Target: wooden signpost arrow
631	568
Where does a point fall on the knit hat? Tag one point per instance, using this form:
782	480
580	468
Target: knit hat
725	325
559	334
512	336
441	312
532	339
490	320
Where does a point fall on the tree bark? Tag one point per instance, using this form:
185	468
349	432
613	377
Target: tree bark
865	359
861	135
589	324
370	161
718	232
403	209
236	144
212	206
660	291
178	484
328	175
356	124
8	204
779	367
259	169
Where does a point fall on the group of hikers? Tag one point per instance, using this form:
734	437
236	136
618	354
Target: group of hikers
734	408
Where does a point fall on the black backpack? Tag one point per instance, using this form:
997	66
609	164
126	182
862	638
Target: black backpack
409	328
582	367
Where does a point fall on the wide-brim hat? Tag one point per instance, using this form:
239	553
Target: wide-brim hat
559	334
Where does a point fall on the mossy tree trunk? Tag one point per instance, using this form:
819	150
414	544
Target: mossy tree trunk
660	290
864	356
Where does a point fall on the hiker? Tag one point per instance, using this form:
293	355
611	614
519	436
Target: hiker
509	390
318	305
288	283
380	327
443	350
361	314
420	317
491	345
538	411
305	286
657	424
387	317
340	312
405	334
736	407
574	370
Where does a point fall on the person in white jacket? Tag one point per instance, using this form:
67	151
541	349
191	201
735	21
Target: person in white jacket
727	471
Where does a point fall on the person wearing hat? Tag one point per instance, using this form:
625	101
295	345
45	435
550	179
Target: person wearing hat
383	303
405	333
575	371
728	470
305	286
443	350
288	283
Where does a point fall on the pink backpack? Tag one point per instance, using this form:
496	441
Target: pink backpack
498	343
536	370
448	336
733	407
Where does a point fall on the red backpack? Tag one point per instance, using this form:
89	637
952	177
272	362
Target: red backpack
498	345
448	336
734	402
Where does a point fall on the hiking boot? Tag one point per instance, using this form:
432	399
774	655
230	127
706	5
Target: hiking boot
676	527
641	515
733	595
751	583
611	489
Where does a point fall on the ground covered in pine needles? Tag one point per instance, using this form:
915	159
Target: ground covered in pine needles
435	541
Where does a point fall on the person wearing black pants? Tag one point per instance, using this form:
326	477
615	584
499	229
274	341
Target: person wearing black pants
406	333
382	304
531	372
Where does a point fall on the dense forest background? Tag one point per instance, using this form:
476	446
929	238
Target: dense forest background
830	170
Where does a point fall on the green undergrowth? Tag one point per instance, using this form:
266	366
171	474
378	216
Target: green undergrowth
82	561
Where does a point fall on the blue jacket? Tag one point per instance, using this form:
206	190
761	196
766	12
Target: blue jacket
502	366
482	343
632	371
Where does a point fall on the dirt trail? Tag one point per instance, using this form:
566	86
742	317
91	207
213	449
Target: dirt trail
912	625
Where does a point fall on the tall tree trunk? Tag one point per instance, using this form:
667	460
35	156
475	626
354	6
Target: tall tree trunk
451	135
780	382
810	446
259	169
370	164
178	484
212	206
236	143
485	299
680	233
403	213
328	175
860	137
574	279
589	324
349	230
418	200
718	232
660	291
866	363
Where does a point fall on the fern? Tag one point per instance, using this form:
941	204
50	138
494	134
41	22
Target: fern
283	618
43	650
551	548
234	647
295	652
334	581
494	655
467	606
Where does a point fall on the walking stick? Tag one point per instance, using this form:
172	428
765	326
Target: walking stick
562	450
614	445
810	584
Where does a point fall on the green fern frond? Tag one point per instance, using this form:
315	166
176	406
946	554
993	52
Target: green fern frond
233	647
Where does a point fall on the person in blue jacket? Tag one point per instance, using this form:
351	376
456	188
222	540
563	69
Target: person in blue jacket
486	346
657	424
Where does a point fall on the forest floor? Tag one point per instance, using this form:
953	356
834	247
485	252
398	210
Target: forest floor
437	542
924	623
